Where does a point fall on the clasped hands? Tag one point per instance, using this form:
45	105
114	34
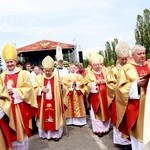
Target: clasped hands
74	85
45	89
101	81
9	89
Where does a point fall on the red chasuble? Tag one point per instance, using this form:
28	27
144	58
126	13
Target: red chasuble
6	131
113	111
39	106
132	110
26	111
99	100
49	108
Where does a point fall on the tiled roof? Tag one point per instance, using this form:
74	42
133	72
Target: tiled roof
44	45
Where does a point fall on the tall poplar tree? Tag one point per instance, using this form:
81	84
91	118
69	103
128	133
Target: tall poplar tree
142	31
110	55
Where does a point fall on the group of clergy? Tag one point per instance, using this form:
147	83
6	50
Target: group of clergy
114	96
128	97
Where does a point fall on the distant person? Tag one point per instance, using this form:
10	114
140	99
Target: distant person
28	67
37	70
19	64
80	69
74	98
60	69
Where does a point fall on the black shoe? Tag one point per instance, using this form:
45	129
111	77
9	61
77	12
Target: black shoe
56	139
127	147
123	147
50	139
100	135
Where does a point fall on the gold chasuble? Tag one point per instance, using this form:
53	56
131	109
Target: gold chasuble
130	112
98	100
74	95
146	131
112	78
50	111
5	103
22	112
112	83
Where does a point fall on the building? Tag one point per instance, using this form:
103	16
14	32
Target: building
35	52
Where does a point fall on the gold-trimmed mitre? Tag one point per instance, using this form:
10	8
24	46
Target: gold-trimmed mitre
122	49
48	62
59	54
9	52
89	55
95	58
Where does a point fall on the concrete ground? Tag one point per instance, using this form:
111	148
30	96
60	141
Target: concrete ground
80	138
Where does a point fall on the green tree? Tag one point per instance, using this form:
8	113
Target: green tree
110	55
142	31
85	63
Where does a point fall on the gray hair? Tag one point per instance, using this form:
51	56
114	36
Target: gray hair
137	46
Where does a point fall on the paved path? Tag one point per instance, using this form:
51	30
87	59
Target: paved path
80	138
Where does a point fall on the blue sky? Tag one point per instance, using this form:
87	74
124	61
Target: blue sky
87	23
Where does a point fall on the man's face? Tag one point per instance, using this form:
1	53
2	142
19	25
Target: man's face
60	63
37	70
28	67
80	67
139	55
48	72
72	68
19	66
97	66
10	64
122	60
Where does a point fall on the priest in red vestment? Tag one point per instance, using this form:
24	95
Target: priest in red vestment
23	100
50	108
122	51
97	90
130	97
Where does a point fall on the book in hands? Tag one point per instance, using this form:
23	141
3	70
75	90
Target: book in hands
146	76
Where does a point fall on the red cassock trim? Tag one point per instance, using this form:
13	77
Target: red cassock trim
6	131
132	113
26	111
49	117
99	100
130	116
113	112
94	101
132	110
39	98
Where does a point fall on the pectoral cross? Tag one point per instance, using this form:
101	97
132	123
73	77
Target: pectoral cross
49	119
143	73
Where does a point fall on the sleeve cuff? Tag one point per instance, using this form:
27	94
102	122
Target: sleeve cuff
134	91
